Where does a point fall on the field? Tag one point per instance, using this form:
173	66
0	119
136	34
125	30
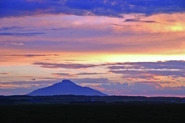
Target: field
93	113
91	109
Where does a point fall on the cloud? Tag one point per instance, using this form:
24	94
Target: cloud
135	70
149	70
160	72
137	20
13	43
15	91
76	74
21	34
64	65
23	87
93	34
142	89
157	23
90	73
30	55
150	65
88	7
91	80
10	28
59	29
64	75
30	83
3	73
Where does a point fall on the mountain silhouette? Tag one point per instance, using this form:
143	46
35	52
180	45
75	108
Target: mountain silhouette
66	87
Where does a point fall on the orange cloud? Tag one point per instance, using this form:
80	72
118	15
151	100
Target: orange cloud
158	23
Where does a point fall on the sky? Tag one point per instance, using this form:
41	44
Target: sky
119	47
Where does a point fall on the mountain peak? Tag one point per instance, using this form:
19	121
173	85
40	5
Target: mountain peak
67	82
66	87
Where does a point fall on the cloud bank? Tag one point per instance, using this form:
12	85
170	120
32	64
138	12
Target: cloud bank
133	71
12	8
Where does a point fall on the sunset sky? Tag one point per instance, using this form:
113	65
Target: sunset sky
119	47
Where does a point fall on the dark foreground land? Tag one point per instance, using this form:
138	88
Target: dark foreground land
85	110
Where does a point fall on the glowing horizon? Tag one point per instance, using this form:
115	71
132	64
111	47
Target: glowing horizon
120	48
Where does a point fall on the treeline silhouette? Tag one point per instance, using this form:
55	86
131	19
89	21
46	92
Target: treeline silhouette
72	99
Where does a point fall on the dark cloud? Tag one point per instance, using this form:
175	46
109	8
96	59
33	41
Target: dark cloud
76	74
21	34
3	73
150	65
10	28
58	29
90	73
64	74
117	25
64	65
30	55
137	20
10	8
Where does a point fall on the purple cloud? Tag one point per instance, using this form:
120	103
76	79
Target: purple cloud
21	34
30	55
64	65
143	70
150	65
142	89
64	74
137	20
89	73
149	69
76	74
10	28
23	87
150	72
91	80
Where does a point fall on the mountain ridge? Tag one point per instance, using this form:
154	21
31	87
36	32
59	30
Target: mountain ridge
66	87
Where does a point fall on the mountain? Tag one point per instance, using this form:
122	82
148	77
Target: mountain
66	87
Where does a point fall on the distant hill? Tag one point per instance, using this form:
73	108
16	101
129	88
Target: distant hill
66	87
